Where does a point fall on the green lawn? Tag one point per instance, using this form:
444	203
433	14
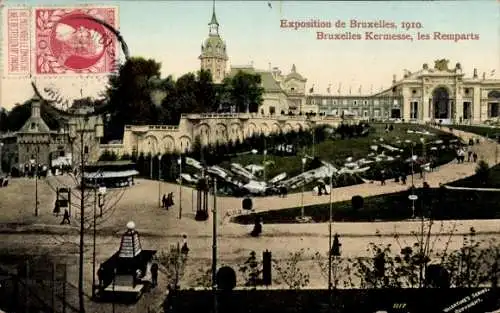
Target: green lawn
490	132
336	151
437	203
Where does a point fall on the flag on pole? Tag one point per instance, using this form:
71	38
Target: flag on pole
269	5
328	89
492	72
312	89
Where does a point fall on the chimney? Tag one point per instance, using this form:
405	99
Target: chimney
475	73
394	78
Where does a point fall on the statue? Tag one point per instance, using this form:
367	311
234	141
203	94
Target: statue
441	65
425	66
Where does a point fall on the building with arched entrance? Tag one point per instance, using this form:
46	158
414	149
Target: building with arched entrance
428	95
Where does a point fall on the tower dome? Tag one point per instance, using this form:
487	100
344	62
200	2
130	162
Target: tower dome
213	55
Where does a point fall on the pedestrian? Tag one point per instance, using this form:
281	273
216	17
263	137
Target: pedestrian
469	155
164	201
154	274
184	248
100	275
382	178
66	217
57	209
257	229
474	157
403	178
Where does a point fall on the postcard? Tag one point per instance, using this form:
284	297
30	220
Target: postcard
249	156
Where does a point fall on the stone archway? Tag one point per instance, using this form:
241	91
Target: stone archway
441	103
150	145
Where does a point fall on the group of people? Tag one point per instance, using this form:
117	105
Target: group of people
471	155
167	201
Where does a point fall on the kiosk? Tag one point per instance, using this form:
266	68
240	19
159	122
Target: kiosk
127	272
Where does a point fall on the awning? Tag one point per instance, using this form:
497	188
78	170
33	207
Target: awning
117	174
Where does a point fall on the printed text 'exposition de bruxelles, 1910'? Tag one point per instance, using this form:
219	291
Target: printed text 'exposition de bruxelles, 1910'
404	27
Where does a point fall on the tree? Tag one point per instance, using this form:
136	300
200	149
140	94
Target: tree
173	264
483	172
244	91
4	118
205	93
290	273
130	96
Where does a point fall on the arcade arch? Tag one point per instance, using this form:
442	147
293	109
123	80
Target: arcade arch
150	145
287	128
221	133
251	130
236	132
264	129
275	128
203	133
184	144
167	144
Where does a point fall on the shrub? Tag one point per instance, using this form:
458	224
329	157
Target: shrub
483	172
357	203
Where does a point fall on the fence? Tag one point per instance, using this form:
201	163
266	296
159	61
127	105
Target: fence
37	285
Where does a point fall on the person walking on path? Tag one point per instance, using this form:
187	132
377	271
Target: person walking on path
66	218
474	157
184	248
164	201
154	274
382	178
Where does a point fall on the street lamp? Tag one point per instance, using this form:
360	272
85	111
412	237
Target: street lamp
99	193
413	159
264	163
179	161
159	180
37	151
330	220
302	218
422	140
1	159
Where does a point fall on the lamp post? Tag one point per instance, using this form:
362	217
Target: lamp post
37	151
304	160
214	247
1	159
179	161
99	193
330	219
424	154
413	159
159	180
264	164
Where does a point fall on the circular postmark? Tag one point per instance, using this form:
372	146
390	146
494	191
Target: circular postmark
77	41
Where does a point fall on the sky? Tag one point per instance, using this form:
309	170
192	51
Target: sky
171	32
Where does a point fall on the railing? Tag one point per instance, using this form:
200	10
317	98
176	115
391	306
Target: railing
151	127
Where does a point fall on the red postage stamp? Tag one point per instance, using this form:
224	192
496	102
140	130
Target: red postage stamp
71	41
